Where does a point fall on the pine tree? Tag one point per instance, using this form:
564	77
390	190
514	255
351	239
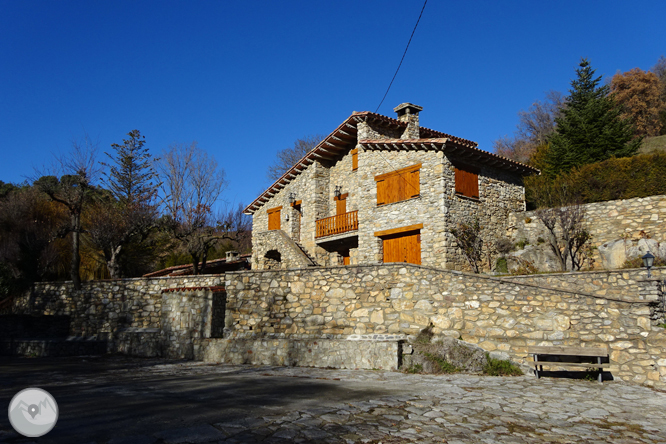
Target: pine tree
128	218
591	128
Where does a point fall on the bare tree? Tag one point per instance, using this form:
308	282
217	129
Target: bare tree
563	216
469	239
288	157
78	172
533	129
192	183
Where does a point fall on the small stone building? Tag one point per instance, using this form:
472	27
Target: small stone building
379	189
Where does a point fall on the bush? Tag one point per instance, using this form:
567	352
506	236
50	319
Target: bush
498	367
440	364
501	266
637	262
616	178
504	246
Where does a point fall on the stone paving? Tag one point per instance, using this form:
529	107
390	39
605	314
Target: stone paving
409	409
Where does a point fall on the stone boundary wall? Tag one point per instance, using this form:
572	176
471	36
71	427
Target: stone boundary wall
504	316
133	316
606	221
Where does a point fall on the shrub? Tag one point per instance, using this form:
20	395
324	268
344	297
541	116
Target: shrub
504	246
440	364
498	367
522	244
501	266
616	178
425	335
416	368
637	262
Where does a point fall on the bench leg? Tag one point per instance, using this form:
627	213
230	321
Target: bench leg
536	366
601	370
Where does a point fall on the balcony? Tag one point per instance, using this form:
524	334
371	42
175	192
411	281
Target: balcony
338	224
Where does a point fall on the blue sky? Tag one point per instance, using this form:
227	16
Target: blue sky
245	79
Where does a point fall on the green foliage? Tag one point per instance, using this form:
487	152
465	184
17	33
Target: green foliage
590	129
131	177
662	325
440	364
501	266
617	178
416	368
521	244
637	262
498	367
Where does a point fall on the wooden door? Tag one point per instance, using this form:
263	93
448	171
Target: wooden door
403	247
346	259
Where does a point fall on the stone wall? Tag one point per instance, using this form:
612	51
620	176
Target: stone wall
629	221
612	309
143	316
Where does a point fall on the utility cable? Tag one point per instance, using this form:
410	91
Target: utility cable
403	56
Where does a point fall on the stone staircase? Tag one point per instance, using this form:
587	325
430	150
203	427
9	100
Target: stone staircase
305	252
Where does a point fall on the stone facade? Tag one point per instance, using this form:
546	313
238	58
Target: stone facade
307	193
638	224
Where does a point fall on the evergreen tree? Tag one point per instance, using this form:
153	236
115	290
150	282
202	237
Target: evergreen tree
591	128
127	217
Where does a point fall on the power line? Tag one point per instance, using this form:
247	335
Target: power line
403	56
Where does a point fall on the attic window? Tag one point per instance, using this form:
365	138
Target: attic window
467	181
354	154
398	185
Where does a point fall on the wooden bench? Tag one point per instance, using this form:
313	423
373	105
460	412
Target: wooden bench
576	357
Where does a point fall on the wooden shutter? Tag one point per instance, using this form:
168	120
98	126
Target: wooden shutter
398	185
467	182
274	218
354	154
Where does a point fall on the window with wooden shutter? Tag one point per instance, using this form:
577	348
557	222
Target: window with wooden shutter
354	154
274	218
467	181
398	185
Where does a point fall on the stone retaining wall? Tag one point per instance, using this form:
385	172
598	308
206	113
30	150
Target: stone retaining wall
500	315
630	219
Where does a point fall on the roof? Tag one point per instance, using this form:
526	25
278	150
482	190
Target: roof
212	267
338	141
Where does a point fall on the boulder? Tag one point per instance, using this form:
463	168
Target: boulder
462	355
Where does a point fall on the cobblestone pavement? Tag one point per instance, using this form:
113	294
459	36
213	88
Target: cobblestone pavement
304	405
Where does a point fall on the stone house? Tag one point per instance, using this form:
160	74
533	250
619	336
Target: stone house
379	189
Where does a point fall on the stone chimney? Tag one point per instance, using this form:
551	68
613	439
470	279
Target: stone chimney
232	256
408	112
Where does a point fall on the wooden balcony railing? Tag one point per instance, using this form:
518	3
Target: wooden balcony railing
337	224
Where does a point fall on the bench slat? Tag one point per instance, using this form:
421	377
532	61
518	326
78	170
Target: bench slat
571	351
573	364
